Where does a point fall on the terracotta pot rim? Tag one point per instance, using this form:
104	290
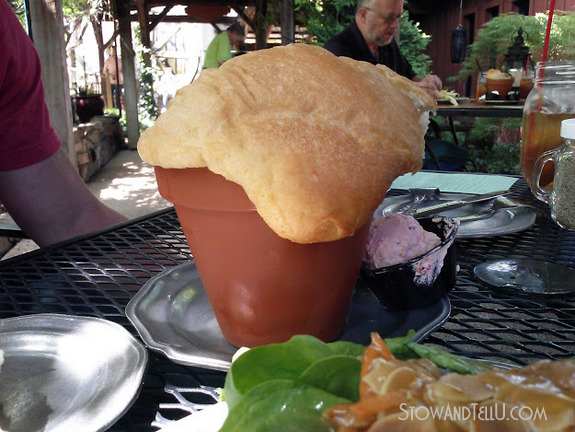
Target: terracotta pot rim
218	210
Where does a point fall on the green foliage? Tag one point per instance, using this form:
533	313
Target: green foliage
496	36
72	8
323	19
87	91
147	105
20	10
494	145
413	43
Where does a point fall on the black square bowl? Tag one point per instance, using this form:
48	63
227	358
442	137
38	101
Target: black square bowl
417	283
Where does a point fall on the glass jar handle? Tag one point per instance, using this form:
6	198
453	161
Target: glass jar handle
541	194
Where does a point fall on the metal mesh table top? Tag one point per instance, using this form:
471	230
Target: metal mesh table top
98	274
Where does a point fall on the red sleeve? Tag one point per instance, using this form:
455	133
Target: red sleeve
26	135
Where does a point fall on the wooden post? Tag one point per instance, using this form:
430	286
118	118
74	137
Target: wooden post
129	71
260	22
47	25
287	22
147	79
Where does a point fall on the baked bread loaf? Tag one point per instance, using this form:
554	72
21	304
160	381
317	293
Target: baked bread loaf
315	140
496	74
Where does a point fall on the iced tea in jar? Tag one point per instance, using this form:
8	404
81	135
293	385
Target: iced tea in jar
551	101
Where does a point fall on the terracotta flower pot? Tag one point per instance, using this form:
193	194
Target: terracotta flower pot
503	86
262	288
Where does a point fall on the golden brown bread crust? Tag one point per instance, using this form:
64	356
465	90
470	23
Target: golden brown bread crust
315	140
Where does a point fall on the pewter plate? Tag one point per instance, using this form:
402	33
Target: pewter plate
505	220
173	315
527	276
66	373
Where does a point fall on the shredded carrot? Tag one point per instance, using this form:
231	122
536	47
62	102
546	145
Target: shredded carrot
368	408
360	415
377	348
379	344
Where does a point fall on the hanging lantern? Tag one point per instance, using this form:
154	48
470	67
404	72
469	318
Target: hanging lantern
458	40
458	45
518	54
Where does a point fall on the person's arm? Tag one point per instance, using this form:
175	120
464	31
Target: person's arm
430	83
50	202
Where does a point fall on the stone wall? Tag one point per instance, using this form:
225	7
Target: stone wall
96	143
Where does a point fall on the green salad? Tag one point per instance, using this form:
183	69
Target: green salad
287	386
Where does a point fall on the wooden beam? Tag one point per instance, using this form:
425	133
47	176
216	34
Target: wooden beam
260	28
184	19
158	18
110	41
162	3
242	14
129	72
287	20
46	21
143	20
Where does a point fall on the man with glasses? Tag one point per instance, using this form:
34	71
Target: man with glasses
370	38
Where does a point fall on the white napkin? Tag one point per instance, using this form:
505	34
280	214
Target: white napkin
209	419
455	182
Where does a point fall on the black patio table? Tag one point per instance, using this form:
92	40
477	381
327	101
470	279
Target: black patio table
98	274
475	109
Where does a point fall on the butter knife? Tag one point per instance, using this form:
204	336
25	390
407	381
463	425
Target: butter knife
449	205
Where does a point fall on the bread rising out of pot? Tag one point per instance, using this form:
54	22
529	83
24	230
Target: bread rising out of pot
315	140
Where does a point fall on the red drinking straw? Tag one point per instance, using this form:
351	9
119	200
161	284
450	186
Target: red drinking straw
546	46
548	32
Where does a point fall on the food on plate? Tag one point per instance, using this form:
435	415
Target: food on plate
496	74
449	96
396	238
293	383
415	395
306	385
309	136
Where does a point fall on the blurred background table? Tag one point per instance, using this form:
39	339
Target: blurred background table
97	275
475	109
472	108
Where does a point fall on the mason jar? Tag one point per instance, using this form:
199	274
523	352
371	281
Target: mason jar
551	101
561	198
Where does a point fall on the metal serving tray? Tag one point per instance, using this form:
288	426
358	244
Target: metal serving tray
173	315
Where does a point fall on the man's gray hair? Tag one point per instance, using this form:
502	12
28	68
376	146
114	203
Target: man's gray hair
364	3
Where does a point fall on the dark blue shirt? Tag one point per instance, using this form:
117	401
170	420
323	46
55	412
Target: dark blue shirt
350	43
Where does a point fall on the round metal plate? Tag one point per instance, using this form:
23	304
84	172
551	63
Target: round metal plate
67	373
528	276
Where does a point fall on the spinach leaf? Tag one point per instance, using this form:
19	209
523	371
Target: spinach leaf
281	405
399	346
286	360
451	362
338	375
